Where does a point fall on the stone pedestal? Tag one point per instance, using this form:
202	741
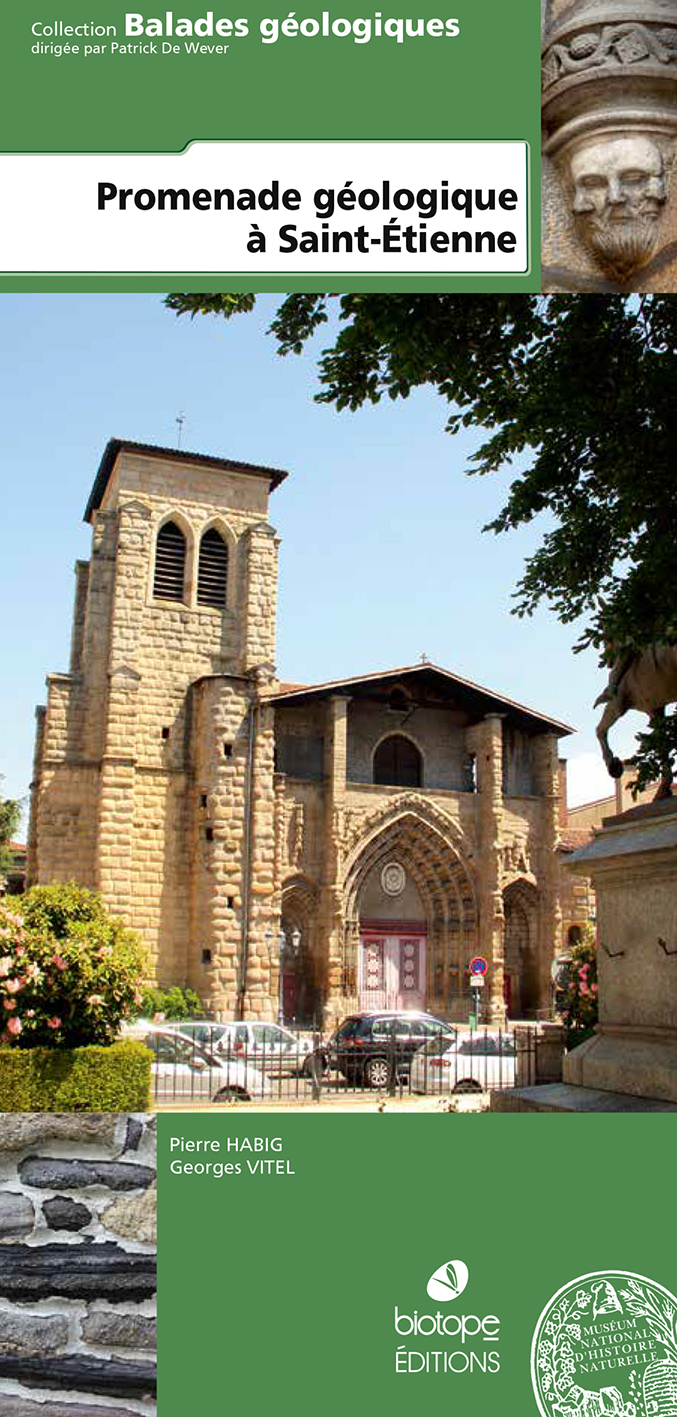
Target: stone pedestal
632	862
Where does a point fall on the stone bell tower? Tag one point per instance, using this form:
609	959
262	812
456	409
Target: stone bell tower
153	778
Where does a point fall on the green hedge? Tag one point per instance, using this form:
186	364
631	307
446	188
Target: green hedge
92	1079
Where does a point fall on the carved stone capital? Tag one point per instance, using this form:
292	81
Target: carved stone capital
609	78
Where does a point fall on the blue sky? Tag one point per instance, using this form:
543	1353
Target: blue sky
383	557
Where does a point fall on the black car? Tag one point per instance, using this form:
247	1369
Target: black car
376	1048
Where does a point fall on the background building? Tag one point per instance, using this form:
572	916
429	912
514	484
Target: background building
392	825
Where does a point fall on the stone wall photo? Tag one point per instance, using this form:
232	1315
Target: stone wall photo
77	1265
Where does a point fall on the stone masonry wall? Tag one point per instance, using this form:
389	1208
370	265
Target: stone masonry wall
77	1265
113	804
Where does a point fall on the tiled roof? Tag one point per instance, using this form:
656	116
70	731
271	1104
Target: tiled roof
493	701
114	446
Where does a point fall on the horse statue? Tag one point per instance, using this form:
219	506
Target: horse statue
645	680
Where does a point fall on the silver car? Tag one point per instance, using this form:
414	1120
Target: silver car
183	1070
269	1046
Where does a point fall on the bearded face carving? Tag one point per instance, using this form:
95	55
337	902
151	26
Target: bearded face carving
619	189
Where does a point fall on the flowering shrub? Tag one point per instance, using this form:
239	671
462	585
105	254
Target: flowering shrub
68	970
580	994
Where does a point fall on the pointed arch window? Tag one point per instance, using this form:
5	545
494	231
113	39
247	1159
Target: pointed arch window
170	563
397	762
212	571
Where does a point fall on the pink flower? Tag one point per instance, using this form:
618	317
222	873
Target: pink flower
30	1013
9	1004
59	962
13	985
584	969
105	952
54	1023
95	999
14	1026
593	988
584	989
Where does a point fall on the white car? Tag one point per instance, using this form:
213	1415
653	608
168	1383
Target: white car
475	1062
182	1069
269	1046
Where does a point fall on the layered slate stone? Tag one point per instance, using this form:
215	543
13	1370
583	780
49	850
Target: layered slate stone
134	1134
17	1216
86	1271
64	1214
53	1173
120	1331
76	1373
31	1334
20	1407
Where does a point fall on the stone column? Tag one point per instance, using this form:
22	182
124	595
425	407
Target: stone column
220	714
486	740
258	620
331	894
263	959
546	770
114	863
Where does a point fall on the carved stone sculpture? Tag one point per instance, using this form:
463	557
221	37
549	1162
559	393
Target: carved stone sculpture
609	79
619	191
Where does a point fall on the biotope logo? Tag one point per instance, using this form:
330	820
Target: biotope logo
606	1343
475	1338
448	1281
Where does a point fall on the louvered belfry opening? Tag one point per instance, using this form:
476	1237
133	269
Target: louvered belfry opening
170	563
397	762
212	572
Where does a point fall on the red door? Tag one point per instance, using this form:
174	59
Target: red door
392	972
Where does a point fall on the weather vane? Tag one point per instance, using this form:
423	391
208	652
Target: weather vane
179	420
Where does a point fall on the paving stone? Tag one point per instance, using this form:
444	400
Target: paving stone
134	1134
55	1174
120	1331
22	1129
12	1406
133	1217
29	1334
17	1215
64	1214
80	1271
77	1373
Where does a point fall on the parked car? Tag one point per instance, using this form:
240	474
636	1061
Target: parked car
207	1032
183	1069
473	1063
270	1047
367	1047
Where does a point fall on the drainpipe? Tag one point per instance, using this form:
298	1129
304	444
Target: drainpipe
247	854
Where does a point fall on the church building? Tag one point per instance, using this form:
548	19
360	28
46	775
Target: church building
340	845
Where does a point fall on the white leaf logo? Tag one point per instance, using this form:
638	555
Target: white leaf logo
448	1281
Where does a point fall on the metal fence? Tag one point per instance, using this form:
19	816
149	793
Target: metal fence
212	1064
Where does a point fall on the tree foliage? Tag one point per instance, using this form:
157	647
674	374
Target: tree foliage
10	815
575	394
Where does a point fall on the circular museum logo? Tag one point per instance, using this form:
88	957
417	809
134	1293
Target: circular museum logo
606	1346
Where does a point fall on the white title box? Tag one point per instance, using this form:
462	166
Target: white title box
360	208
